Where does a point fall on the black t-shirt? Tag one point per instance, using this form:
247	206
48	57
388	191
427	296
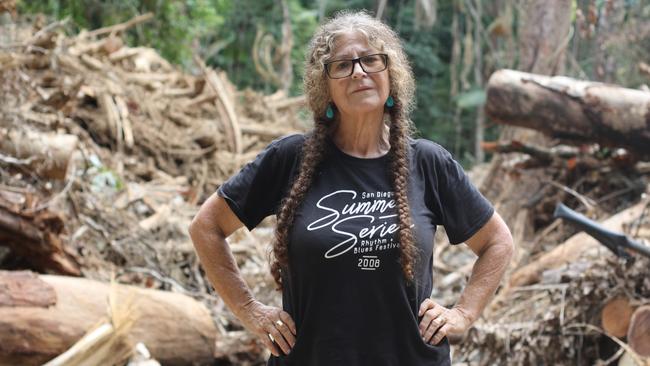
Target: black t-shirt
346	291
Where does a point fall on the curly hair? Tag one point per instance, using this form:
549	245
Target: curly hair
396	119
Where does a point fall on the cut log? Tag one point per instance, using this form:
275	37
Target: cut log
575	247
24	288
37	238
638	335
107	343
177	329
616	316
567	108
47	153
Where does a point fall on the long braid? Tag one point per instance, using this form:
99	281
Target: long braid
313	152
402	87
399	161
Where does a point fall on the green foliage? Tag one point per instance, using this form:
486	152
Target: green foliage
179	26
223	32
304	22
241	25
430	54
175	31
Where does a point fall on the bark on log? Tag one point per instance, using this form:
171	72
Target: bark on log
616	316
575	247
24	288
177	329
37	238
638	336
567	108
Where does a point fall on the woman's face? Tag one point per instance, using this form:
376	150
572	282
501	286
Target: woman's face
359	92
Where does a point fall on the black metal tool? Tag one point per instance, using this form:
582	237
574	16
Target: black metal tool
616	242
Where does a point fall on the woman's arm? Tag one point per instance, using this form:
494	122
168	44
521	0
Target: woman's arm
209	229
494	246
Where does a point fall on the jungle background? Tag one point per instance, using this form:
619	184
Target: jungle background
454	46
119	118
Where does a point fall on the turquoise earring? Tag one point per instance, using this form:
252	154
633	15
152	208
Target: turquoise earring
329	112
390	102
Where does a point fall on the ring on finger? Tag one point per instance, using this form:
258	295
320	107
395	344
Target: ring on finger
279	323
271	337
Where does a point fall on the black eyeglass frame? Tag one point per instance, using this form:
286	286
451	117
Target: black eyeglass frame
354	61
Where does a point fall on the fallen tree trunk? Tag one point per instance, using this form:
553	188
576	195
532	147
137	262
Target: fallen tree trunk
46	153
638	335
567	108
616	316
37	238
24	288
177	329
575	247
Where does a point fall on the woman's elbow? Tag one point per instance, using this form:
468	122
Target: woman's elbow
506	245
500	243
193	230
214	218
198	229
207	228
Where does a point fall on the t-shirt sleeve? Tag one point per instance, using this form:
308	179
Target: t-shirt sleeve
256	191
462	207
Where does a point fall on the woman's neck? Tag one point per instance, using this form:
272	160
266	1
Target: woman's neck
363	136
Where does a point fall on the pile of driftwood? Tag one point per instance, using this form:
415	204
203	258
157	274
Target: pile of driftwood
105	152
567	298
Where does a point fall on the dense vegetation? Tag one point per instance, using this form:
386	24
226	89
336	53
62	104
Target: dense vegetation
450	83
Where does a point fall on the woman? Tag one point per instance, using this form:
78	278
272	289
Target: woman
357	204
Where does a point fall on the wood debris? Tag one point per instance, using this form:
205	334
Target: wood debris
567	299
106	151
571	109
177	329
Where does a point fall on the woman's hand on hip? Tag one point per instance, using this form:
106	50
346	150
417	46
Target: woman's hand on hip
272	325
438	322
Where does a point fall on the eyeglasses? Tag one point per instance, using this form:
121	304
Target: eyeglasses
340	69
